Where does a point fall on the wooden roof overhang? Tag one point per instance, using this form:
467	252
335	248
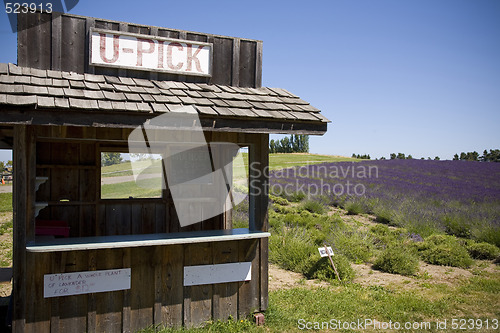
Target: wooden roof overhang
47	97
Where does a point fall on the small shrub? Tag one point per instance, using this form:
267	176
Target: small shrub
296	196
278	200
355	245
382	215
444	250
289	247
313	206
483	251
353	208
320	268
397	260
457	226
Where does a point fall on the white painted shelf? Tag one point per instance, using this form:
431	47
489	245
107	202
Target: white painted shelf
121	241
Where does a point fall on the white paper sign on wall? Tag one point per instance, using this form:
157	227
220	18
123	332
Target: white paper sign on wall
322	251
79	283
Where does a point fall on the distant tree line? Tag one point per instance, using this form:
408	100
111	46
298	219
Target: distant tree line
361	157
292	144
492	156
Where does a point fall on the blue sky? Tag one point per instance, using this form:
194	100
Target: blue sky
419	77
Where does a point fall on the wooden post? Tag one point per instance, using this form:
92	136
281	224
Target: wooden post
259	201
331	262
23	229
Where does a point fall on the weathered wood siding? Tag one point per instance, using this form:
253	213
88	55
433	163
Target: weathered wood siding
61	42
157	295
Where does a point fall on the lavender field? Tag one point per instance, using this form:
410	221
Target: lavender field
425	197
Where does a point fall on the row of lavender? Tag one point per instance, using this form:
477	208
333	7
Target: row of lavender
455	197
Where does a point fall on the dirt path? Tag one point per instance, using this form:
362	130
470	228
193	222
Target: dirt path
5	188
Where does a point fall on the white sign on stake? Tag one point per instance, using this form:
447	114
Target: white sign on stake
110	48
78	283
322	251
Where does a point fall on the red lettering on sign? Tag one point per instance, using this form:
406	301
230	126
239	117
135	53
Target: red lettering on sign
141	50
116	45
193	57
160	54
169	56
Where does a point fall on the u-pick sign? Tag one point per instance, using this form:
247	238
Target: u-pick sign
149	53
322	251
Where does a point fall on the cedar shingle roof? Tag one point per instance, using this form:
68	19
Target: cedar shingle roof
21	86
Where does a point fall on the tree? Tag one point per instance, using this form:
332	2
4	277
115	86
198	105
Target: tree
272	146
294	144
2	166
436	158
110	159
401	156
393	156
455	157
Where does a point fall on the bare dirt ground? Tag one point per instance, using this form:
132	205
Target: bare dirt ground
5	188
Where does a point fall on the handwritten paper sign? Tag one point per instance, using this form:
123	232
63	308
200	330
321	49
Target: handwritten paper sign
322	251
79	283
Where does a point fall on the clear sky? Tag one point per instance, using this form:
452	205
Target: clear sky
417	76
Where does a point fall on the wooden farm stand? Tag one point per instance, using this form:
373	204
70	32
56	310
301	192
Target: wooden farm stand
58	113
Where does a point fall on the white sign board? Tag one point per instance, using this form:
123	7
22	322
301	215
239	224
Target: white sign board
149	53
322	251
77	283
220	273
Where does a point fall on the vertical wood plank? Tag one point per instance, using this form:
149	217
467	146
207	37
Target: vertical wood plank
160	219
259	176
172	294
91	301
247	63
258	65
225	298
24	151
264	273
148	218
127	263
89	23
248	293
142	293
157	261
197	299
56	42
73	309
222	61
235	72
73	44
57	263
38	307
109	305
22	40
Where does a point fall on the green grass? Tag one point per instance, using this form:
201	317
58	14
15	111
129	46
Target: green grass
281	161
6	202
130	189
125	168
